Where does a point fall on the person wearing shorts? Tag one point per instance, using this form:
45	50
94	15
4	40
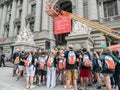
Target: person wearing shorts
84	71
30	70
106	71
15	66
71	69
21	65
97	68
42	67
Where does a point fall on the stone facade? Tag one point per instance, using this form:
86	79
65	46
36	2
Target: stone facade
17	14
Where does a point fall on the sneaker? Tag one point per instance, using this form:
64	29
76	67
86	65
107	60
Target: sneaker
94	82
27	86
104	85
71	86
86	89
61	83
81	88
43	83
14	75
39	85
65	86
32	86
98	87
17	79
89	84
52	87
48	86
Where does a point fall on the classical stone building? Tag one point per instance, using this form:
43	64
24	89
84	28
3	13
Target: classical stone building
17	14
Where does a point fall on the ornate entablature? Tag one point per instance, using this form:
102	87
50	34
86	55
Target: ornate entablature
30	17
5	2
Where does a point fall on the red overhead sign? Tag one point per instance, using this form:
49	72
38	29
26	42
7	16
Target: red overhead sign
62	25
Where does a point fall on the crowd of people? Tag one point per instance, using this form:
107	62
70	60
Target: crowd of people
46	67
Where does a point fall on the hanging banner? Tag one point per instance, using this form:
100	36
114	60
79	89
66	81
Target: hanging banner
62	25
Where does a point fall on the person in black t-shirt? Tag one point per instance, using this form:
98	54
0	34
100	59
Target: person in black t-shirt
85	68
71	67
21	65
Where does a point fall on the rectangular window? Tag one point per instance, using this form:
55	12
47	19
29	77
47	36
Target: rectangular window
7	33
110	8
9	17
33	7
18	30
10	6
32	26
20	13
21	2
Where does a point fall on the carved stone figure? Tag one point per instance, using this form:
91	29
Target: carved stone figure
26	37
80	29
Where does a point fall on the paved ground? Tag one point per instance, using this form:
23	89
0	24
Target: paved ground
7	82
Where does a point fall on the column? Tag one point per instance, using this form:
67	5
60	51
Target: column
51	30
101	11
17	13
79	6
4	18
0	16
29	7
44	17
38	15
118	5
92	10
24	14
13	16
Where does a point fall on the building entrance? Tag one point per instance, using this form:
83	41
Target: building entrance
65	5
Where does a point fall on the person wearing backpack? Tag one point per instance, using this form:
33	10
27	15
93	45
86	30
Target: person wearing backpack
108	63
51	70
16	59
61	66
30	63
97	68
42	67
116	75
71	67
21	65
85	68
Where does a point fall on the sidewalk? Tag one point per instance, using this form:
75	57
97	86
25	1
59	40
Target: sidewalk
7	82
